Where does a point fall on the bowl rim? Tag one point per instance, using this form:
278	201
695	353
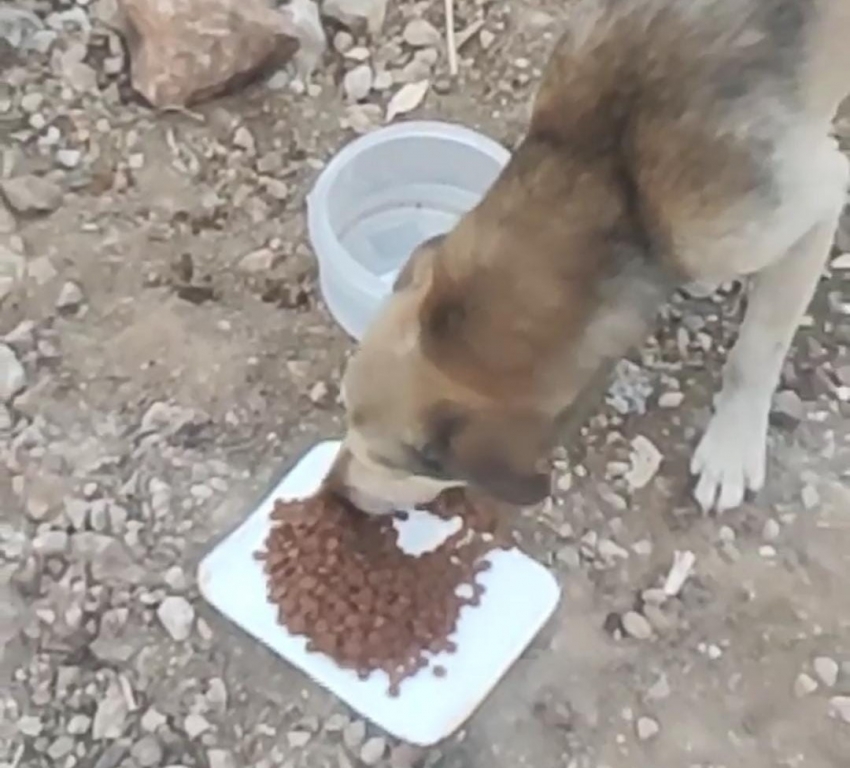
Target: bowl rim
360	278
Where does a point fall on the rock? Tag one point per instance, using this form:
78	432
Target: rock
839	707
217	695
354	735
789	407
185	51
256	262
804	685
670	399
169	418
79	725
220	758
357	82
357	13
635	625
147	752
30	726
13	269
810	497
195	725
336	723
111	756
60	748
646	728
31	195
310	33
842	261
771	530
645	461
13	377
49	543
110	715
152	720
70	297
177	616
421	33
630	388
372	752
244	139
827	670
19	26
659	690
298	739
406	756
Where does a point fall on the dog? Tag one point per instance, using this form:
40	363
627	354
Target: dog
671	142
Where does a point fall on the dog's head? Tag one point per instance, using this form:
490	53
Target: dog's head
423	415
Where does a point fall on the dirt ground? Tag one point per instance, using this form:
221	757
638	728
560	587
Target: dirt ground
167	379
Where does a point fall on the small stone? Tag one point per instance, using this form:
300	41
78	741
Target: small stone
217	695
645	462
111	714
177	615
839	707
343	41
827	670
357	13
373	751
319	392
336	723
421	33
30	726
30	195
670	399
804	685
79	725
610	550
358	82
152	720
810	497
354	734
298	739
13	377
147	752
51	543
70	297
244	139
788	405
195	724
636	626
68	158
486	38
220	758
659	690
771	530
406	756
60	748
647	728
260	260
569	557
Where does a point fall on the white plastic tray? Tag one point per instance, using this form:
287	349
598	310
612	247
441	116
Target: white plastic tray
520	596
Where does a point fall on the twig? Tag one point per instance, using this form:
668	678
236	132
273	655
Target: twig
451	45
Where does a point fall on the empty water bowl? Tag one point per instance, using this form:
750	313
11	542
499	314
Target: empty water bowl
383	195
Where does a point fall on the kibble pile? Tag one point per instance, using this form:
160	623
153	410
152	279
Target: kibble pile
339	577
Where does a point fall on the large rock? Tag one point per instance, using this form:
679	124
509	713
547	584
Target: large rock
185	51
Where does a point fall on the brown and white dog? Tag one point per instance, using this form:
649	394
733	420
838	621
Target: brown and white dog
671	142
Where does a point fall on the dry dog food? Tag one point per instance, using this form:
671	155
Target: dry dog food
339	577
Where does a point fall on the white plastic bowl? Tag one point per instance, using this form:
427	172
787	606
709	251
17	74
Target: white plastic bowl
383	195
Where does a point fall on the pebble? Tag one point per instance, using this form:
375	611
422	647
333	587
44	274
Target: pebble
804	685
260	260
244	139
78	725
647	728
358	82
49	543
147	752
827	670
177	615
406	756
220	758
336	723
645	461
771	530
152	720
298	739
810	497
839	706
636	626
13	377
670	399
354	734
659	690
30	726
373	750
787	403
29	195
110	715
421	33
60	748
195	724
70	297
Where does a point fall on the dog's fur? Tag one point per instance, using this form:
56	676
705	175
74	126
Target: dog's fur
671	142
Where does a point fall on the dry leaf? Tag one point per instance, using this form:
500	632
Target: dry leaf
407	98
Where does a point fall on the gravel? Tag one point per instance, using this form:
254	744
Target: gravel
177	616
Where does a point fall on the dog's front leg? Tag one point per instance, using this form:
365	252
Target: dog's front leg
730	459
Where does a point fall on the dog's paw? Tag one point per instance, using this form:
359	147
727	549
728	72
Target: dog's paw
730	459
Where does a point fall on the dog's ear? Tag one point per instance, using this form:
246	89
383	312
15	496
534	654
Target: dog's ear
419	264
506	455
